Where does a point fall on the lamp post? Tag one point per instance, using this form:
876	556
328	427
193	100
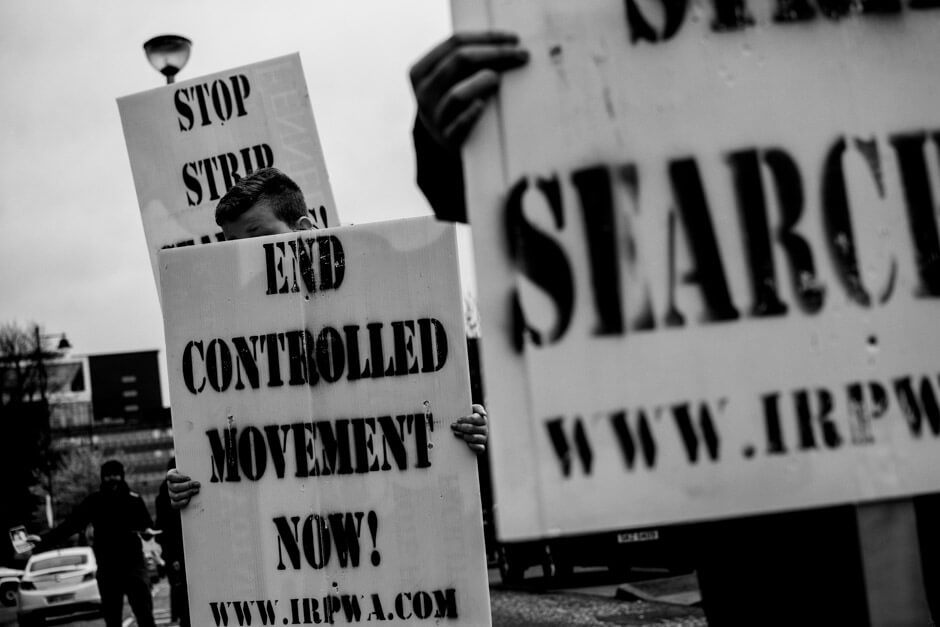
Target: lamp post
168	54
42	382
64	344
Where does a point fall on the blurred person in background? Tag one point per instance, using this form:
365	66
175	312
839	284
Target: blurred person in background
118	517
171	540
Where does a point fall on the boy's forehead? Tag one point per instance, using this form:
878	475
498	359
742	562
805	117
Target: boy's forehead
257	220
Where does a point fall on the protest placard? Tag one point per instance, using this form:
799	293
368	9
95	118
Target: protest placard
188	142
314	377
707	250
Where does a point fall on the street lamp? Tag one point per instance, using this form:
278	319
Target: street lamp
168	54
42	381
40	338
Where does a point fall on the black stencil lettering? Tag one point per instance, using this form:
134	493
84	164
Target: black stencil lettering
405	360
297	341
272	344
838	223
345	529
188	374
252	452
277	445
920	409
337	451
331	358
690	435
432	335
835	9
287	535
775	443
731	15
224	457
316	541
274	268
540	259
709	271
351	610
228	164
186	118
393	432
806	419
240	89
642	30
862	414
632	442
789	186
356	369
219	365
640	315
222	100
377	350
562	448
422	424
446	602
920	208
193	187
794	11
597	207
264	156
332	262
745	168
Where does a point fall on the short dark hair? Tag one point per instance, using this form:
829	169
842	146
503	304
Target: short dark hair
267	184
112	467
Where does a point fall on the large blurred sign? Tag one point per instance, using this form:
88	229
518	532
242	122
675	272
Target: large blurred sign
189	142
314	377
709	259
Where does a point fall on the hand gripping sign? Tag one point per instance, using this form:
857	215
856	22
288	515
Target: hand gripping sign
314	377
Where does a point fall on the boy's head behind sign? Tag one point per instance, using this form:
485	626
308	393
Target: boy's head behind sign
266	202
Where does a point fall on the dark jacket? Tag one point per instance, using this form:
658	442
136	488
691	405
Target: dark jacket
168	521
439	173
116	518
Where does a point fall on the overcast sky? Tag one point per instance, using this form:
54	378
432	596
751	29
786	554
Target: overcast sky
72	251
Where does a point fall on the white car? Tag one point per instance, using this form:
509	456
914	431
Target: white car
58	583
9	582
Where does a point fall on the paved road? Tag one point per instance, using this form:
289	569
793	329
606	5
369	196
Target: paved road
585	600
161	613
589	598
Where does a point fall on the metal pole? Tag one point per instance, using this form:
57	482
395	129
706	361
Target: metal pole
41	375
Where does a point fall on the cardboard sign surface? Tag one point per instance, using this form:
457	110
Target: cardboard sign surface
190	141
713	229
314	377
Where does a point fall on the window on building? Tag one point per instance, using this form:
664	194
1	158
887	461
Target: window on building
131	408
129	378
129	393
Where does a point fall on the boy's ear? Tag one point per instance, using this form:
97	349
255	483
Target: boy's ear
304	223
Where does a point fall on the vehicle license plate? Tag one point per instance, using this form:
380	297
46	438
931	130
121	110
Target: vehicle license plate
637	536
59	598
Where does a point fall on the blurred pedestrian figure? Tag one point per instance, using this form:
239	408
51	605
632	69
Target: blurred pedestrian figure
171	539
117	516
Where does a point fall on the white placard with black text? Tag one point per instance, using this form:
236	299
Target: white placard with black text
713	229
314	377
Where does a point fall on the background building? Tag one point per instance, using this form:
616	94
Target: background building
125	388
113	404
